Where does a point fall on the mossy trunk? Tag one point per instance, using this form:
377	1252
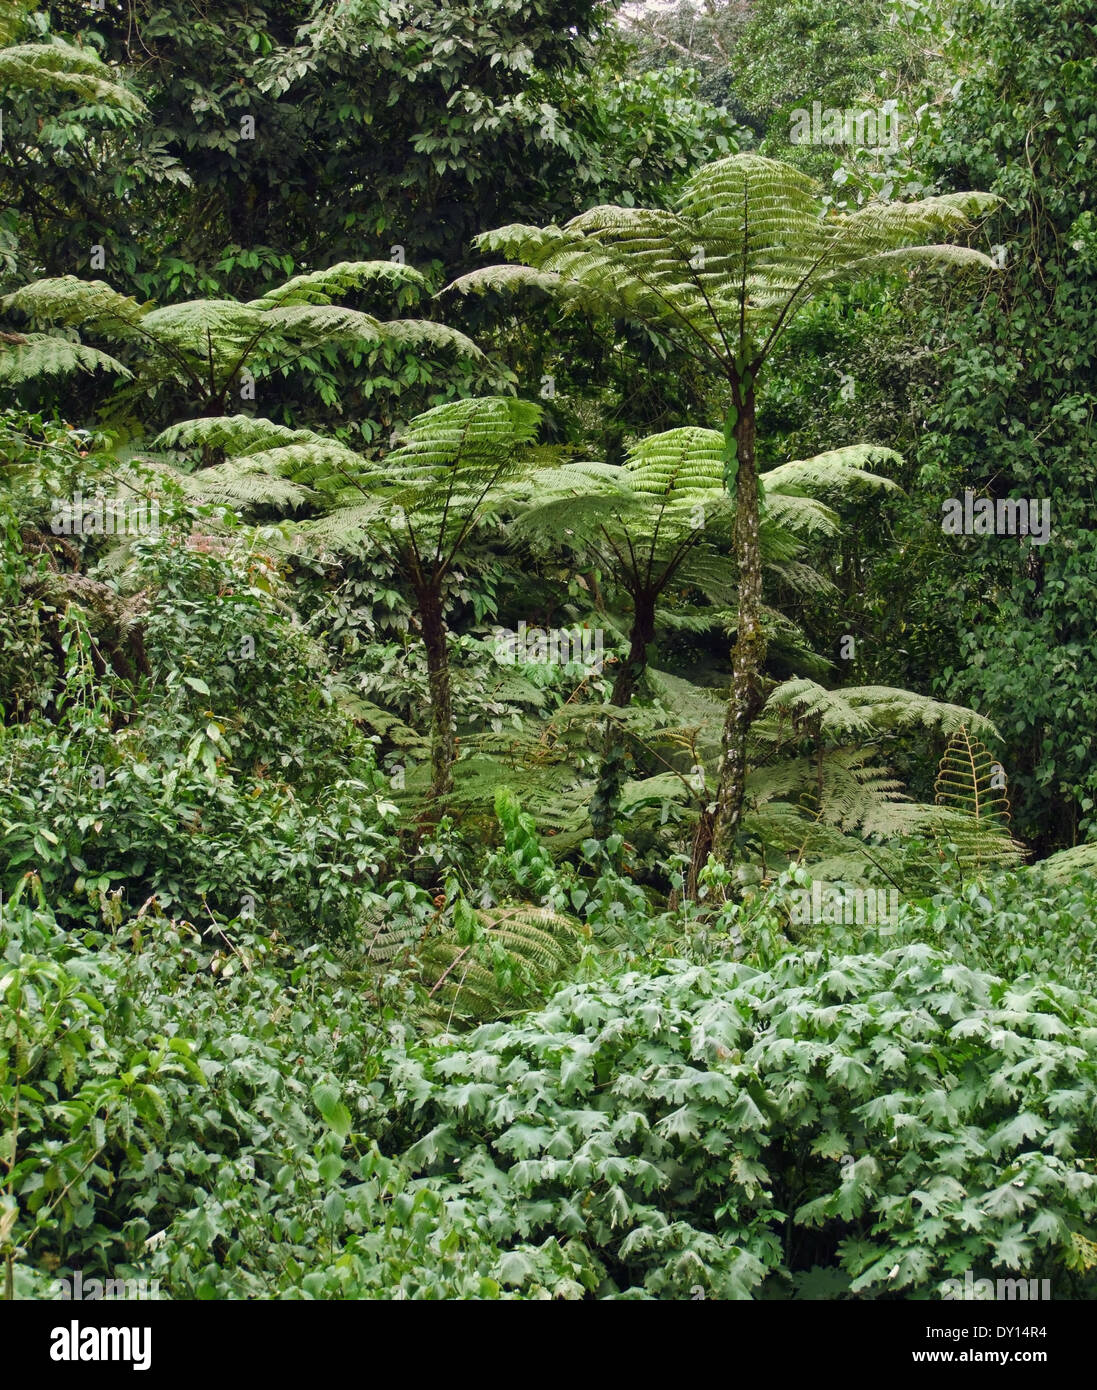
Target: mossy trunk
443	742
719	825
640	639
611	774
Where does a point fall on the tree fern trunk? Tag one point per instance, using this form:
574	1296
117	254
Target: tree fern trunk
611	774
443	744
717	830
640	639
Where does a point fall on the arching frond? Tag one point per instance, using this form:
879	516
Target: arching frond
864	709
836	472
244	484
209	342
438	483
200	326
1067	863
68	300
40	355
310	325
504	277
322	286
236	434
425	332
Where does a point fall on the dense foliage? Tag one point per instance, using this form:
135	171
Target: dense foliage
509	787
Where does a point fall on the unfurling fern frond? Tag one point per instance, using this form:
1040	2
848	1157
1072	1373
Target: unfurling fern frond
971	789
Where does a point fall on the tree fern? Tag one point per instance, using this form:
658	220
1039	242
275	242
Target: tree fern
747	243
420	507
205	345
819	789
660	519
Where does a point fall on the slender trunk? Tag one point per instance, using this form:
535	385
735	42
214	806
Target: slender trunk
443	744
611	775
702	847
640	639
717	828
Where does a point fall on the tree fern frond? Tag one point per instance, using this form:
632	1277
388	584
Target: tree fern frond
199	325
309	325
804	516
486	432
835	472
803	579
1067	863
382	721
41	355
426	333
245	483
68	300
493	962
865	709
976	844
503	277
342	528
235	434
322	286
